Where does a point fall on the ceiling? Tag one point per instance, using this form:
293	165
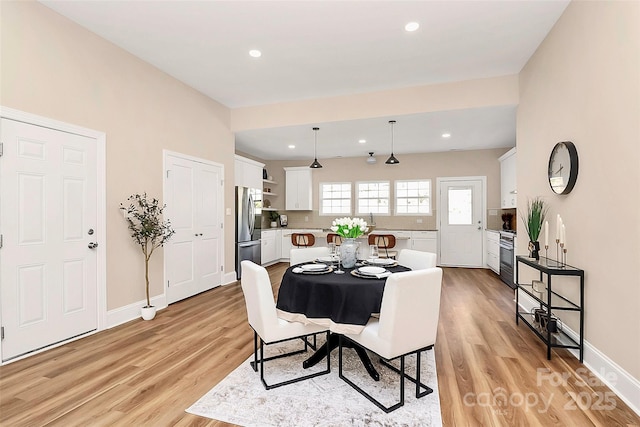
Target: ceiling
313	49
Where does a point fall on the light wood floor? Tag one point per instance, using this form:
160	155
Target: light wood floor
490	371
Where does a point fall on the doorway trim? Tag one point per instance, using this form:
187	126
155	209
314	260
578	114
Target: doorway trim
101	225
483	179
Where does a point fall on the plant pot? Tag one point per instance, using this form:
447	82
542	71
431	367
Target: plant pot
534	250
148	313
274	224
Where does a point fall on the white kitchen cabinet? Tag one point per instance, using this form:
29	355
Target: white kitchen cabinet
508	187
299	194
248	173
426	241
268	246
493	250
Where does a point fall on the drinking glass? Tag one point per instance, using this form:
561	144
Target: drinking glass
339	270
332	251
373	253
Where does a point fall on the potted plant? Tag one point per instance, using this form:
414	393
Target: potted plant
533	220
274	216
144	218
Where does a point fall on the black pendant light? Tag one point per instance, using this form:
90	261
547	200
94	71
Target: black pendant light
392	159
315	164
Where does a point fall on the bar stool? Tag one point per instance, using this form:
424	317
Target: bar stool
334	238
303	240
386	242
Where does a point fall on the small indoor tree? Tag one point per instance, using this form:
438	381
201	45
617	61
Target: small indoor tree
144	217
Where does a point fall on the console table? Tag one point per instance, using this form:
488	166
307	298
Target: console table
550	301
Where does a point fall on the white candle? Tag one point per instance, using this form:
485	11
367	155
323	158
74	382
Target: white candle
558	227
546	233
563	236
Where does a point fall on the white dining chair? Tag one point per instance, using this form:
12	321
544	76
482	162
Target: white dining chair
408	324
261	313
417	260
298	256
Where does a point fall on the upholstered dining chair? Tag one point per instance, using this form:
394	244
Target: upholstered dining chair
303	239
416	260
384	243
300	255
267	327
334	238
407	325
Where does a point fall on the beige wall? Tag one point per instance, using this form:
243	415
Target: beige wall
583	85
54	68
419	99
415	166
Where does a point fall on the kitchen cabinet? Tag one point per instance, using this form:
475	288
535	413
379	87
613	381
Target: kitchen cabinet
268	247
298	193
508	187
248	173
493	250
426	241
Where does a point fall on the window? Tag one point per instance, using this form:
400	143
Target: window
460	209
413	197
335	198
373	197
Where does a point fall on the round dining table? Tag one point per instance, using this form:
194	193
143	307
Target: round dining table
343	303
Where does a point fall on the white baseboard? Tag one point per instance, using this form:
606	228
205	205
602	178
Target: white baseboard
229	278
625	386
130	312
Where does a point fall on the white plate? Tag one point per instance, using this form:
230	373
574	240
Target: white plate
327	259
382	261
371	270
313	267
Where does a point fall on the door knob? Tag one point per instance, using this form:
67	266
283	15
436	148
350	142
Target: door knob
92	245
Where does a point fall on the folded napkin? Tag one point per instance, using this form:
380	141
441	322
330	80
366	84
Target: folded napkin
297	270
383	275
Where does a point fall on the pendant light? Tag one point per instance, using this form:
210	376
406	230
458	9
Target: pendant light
315	164
392	159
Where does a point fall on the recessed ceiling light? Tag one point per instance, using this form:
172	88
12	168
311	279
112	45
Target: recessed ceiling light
255	53
446	135
412	26
362	141
292	146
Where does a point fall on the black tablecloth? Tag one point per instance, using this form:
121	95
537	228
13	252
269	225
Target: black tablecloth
342	298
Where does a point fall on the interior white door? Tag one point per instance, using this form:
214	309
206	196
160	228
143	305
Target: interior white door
48	273
461	222
193	256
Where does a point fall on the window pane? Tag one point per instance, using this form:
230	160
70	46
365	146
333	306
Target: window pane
413	197
460	209
335	198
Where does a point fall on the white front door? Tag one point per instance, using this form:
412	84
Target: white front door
461	218
48	217
193	256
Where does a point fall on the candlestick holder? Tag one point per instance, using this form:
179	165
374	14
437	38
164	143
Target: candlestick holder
558	251
563	251
546	251
564	257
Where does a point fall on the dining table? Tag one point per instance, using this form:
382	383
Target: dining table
343	303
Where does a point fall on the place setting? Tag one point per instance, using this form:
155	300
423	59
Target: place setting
315	268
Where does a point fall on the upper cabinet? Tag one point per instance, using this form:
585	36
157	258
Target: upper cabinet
508	188
298	189
248	173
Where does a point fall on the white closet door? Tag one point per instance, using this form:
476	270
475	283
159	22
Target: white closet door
193	256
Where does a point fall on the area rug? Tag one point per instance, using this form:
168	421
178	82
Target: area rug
322	401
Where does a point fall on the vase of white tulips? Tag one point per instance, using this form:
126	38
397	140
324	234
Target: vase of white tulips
349	229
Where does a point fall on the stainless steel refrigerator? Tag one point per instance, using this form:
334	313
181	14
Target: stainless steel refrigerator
248	224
